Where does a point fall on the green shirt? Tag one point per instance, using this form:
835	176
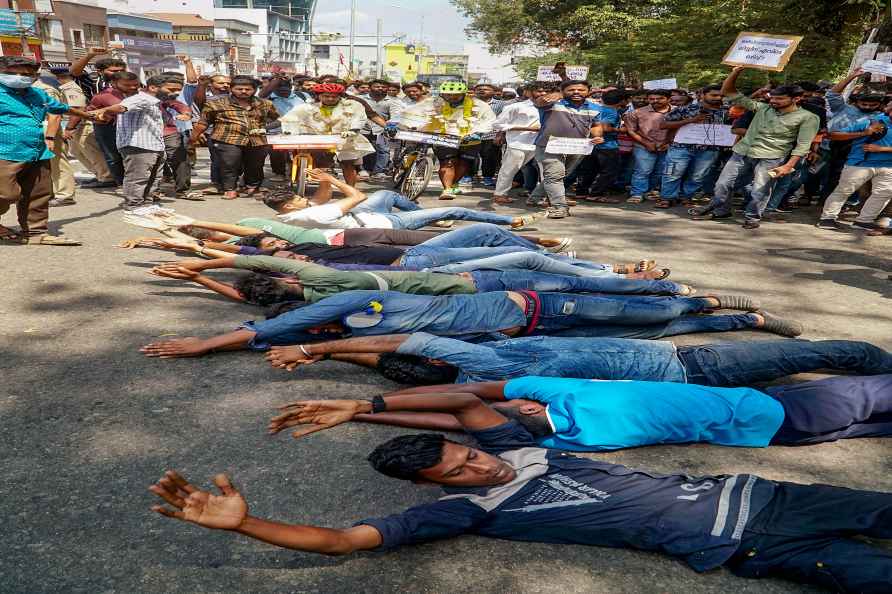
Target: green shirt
772	134
289	233
320	282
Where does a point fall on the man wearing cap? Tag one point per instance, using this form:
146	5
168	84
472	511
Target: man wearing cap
453	113
80	136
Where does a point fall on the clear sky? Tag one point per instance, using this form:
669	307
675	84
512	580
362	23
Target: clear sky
443	26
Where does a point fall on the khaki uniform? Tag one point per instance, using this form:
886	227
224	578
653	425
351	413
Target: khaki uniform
83	145
62	172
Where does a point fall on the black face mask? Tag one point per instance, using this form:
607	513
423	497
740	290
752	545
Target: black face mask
163	95
866	110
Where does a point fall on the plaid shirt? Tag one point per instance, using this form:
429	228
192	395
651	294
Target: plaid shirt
232	123
716	117
142	125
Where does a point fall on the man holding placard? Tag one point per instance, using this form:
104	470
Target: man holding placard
687	161
778	137
569	130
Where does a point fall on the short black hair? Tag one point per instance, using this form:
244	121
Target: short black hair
253	240
380	81
409	85
710	88
108	62
613	97
415	370
545	86
788	91
537	425
18	61
262	290
277	200
243	80
404	456
869	96
660	92
477	86
124	75
808	86
157	81
568	83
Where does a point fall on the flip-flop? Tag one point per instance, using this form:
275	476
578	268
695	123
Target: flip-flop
600	199
52	240
503	200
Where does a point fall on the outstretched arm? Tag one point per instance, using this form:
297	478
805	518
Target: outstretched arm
229	511
289	358
317	415
183	273
353	196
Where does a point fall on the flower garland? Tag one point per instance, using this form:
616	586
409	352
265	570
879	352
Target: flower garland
467	113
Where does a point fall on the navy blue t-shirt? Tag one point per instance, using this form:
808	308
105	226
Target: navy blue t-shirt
560	498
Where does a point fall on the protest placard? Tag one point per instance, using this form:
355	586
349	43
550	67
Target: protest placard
662	83
762	51
559	145
706	134
547	73
884	60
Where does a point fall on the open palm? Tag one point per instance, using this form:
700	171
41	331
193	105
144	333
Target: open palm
226	511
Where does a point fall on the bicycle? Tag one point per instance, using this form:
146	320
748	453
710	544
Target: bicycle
414	163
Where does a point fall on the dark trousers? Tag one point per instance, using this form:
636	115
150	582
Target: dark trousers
106	138
400	237
491	158
839	152
368	161
30	187
279	161
805	534
216	180
608	171
235	159
745	363
834	408
177	159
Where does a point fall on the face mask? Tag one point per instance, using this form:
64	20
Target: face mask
16	81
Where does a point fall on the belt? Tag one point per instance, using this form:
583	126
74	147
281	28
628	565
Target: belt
533	310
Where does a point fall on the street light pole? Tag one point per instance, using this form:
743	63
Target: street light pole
352	34
379	67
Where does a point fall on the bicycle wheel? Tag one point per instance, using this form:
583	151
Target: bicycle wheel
303	165
417	177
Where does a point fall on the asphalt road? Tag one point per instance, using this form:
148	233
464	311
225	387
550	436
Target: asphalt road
88	423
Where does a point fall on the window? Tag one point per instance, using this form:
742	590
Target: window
94	35
51	32
77	38
322	52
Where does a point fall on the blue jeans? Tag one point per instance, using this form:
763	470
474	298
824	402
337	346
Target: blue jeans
415	217
468	243
739	166
648	169
527	260
106	138
382	153
685	170
786	186
682	325
516	280
745	363
560	311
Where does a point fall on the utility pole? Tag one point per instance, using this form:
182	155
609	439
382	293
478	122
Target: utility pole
379	67
352	35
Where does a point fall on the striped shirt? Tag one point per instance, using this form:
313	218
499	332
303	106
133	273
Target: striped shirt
142	125
566	120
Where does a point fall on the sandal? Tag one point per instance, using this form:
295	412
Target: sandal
212	191
602	200
230	195
7	234
635	199
664	274
640	266
502	200
663	204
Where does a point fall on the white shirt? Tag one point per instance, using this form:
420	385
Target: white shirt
518	115
330	216
141	126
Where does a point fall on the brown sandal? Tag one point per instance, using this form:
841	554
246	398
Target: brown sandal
663	204
502	200
640	266
602	200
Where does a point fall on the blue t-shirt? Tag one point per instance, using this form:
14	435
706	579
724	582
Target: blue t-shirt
593	415
857	156
608	115
559	498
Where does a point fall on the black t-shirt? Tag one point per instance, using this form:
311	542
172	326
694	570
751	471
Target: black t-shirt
383	254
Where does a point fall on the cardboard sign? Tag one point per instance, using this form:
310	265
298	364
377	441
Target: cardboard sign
305	141
706	134
558	145
877	67
547	74
662	83
424	137
762	51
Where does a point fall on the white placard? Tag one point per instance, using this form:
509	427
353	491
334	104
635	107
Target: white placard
547	73
434	139
308	140
558	145
706	134
864	53
762	51
661	83
880	68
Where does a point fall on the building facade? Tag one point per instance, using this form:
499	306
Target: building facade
71	30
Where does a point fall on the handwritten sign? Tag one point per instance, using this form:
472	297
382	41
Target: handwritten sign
305	141
705	134
762	51
662	83
547	74
879	68
559	145
424	137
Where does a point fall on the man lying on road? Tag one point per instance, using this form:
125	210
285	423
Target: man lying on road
508	487
484	315
583	415
422	358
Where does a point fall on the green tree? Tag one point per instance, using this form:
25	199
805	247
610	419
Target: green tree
630	41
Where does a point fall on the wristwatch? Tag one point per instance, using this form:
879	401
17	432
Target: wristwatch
378	404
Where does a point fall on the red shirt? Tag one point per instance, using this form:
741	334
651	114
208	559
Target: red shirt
170	125
110	96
